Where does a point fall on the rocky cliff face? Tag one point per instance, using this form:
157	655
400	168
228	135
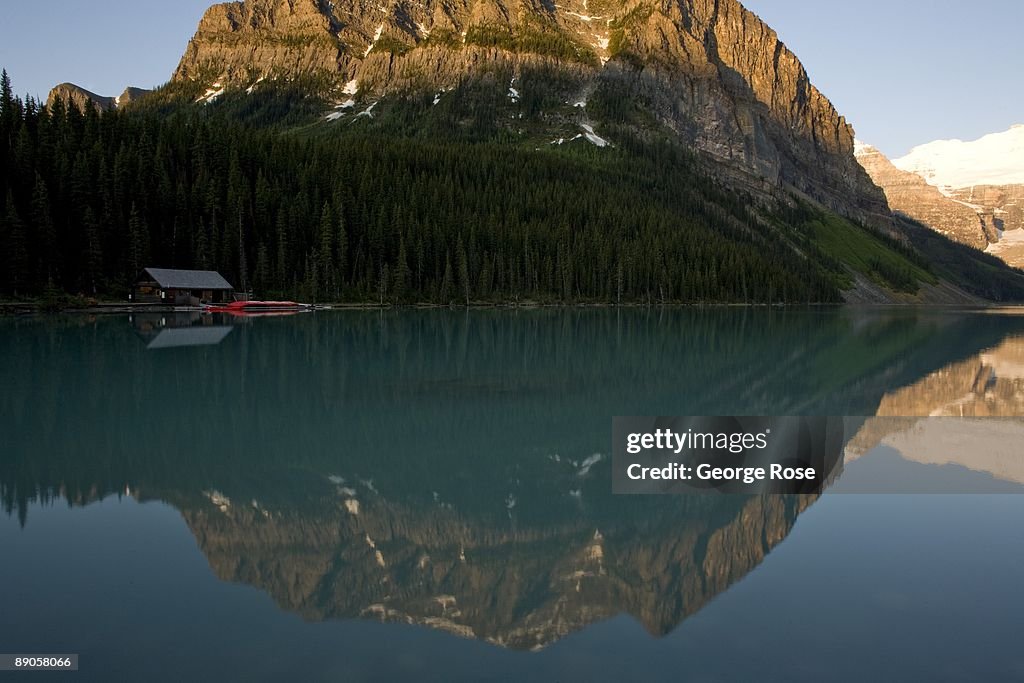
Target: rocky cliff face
1001	209
708	69
971	191
910	194
82	98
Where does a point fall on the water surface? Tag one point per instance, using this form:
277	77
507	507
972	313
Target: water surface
370	496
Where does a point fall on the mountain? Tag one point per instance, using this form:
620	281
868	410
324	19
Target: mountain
82	98
972	192
79	96
480	151
709	71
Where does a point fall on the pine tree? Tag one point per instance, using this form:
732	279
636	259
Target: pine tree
45	234
243	264
385	276
202	247
325	251
402	274
283	264
93	251
312	285
341	247
8	110
262	279
463	260
16	265
445	292
138	247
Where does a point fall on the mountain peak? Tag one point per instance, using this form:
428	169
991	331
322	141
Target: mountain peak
82	98
993	159
709	71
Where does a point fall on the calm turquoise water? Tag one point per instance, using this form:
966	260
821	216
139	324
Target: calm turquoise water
374	496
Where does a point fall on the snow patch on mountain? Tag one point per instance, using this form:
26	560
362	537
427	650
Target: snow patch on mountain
376	37
212	93
593	137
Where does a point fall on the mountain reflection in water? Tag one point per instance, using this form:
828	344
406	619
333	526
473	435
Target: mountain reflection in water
450	469
968	414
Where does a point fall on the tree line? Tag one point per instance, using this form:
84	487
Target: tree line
89	198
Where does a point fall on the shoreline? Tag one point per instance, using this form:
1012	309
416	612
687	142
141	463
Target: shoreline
31	308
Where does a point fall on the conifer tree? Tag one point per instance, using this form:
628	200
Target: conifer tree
325	250
44	232
17	265
463	260
93	251
138	245
202	247
262	278
8	110
402	273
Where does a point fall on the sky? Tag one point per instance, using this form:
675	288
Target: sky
903	72
906	72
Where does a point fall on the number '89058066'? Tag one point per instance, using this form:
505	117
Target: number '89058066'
41	662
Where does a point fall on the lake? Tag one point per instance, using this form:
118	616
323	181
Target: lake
368	495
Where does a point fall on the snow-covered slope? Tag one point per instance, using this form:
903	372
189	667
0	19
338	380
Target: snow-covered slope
996	159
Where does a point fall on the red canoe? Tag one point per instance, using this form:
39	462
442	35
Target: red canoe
257	307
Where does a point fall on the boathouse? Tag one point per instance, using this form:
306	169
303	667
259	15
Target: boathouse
181	287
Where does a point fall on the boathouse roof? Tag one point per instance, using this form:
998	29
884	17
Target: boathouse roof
169	278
